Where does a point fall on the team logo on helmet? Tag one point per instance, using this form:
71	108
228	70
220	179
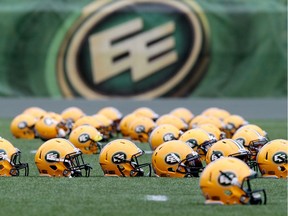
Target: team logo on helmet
216	155
226	178
3	154
280	157
52	156
83	138
172	158
139	129
49	121
192	143
119	157
168	137
22	125
107	54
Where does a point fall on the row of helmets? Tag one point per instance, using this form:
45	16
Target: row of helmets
120	157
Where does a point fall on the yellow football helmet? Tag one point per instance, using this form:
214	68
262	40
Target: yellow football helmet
10	164
47	127
107	128
257	128
114	114
199	140
72	114
163	133
233	123
120	158
90	120
272	159
213	130
250	139
183	113
217	112
147	112
35	111
176	159
197	120
125	122
22	126
58	157
86	138
172	119
227	148
140	128
226	181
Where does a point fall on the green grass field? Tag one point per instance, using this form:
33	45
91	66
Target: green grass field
98	195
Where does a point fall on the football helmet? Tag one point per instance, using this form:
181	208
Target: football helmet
72	114
172	119
163	133
199	140
140	128
10	164
227	148
213	130
272	159
107	128
48	127
227	181
250	139
22	126
125	122
35	111
86	138
217	112
195	122
120	158
257	128
183	113
90	120
112	113
147	112
58	157
232	123
176	159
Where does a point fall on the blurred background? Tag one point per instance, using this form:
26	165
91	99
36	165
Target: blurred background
143	49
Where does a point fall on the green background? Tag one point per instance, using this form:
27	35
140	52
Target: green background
248	47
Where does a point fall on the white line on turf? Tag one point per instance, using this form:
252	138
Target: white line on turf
158	198
148	152
33	151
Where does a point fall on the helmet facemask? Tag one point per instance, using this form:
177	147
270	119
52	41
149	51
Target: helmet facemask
17	165
135	169
75	163
192	165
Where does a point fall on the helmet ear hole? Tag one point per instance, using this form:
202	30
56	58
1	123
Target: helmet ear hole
53	167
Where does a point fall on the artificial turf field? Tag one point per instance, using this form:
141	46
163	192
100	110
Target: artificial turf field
98	195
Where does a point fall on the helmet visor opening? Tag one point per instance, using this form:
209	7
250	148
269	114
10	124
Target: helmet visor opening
75	163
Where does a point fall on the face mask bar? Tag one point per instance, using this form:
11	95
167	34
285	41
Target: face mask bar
17	165
206	145
137	168
255	145
254	196
75	163
192	166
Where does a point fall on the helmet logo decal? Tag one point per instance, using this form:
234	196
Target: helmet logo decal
52	156
216	155
280	157
168	137
226	178
48	121
192	143
3	154
83	138
119	157
22	125
172	158
139	129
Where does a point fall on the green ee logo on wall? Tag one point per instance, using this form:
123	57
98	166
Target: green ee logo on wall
143	49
